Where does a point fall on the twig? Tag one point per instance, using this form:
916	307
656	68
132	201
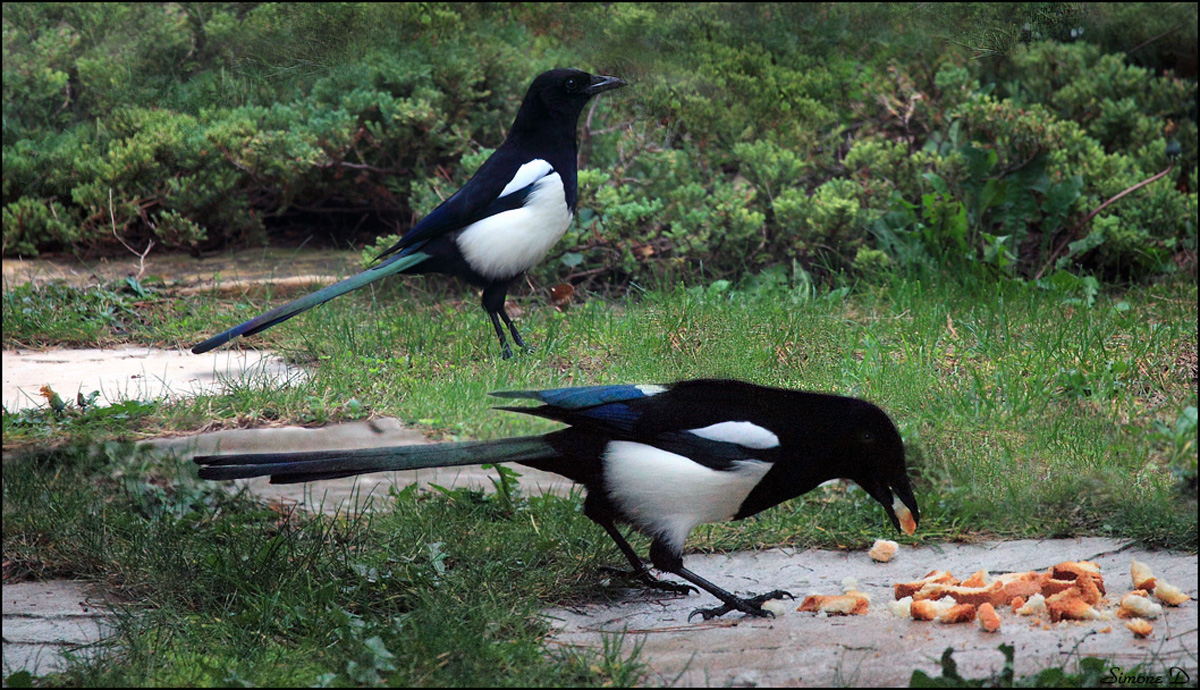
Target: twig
1148	41
1071	235
141	257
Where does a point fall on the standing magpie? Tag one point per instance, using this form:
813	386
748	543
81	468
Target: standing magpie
661	459
503	220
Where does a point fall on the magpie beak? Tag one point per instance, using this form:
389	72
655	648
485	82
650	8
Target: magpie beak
601	83
881	489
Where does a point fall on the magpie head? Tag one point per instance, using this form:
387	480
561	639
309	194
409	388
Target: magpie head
871	443
564	92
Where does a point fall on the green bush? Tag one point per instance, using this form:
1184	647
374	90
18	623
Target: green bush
752	135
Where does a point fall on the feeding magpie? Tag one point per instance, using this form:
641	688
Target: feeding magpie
503	220
662	459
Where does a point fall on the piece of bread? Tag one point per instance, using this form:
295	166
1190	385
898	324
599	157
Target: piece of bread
963	595
1137	604
775	606
901	608
978	579
1140	627
908	589
1069	604
1069	570
1168	593
959	613
931	609
1013	585
1142	577
987	618
1079	571
1034	607
1052	586
849	604
904	515
883	550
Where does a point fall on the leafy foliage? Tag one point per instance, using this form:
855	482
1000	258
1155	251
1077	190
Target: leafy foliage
981	138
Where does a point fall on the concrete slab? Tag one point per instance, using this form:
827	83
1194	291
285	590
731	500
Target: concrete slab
133	373
878	649
45	620
231	271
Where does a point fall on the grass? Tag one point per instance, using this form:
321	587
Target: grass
1028	411
219	589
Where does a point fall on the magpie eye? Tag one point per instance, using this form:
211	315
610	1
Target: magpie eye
866	437
572	84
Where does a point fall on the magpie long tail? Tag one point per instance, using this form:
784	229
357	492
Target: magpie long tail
291	468
394	265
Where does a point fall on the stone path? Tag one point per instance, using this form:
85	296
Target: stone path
42	620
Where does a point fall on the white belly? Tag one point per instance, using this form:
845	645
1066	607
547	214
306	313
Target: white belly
667	494
509	243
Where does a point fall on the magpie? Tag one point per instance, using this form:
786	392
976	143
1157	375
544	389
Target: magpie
661	459
500	223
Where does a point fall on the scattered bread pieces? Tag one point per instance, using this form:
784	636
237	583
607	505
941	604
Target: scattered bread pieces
1141	628
908	589
883	550
1137	604
987	618
1141	575
1169	594
1071	590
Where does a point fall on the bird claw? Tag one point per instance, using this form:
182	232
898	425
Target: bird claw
752	606
507	352
645	578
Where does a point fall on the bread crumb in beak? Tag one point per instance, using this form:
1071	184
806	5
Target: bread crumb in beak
907	523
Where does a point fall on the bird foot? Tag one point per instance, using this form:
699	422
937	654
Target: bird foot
507	352
750	607
644	577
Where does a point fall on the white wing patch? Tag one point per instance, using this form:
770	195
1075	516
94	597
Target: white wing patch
649	389
667	494
742	433
507	244
527	174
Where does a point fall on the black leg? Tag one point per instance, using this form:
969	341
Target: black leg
670	560
493	304
512	327
640	572
507	353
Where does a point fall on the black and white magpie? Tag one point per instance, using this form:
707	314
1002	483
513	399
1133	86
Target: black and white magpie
503	220
662	459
